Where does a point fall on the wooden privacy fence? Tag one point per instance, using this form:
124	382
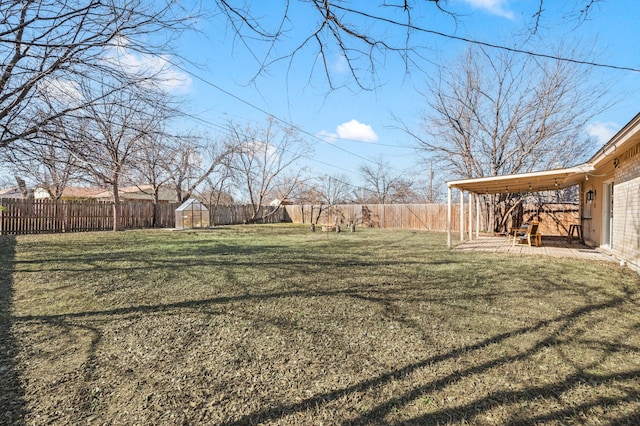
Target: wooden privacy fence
430	217
241	213
48	216
554	218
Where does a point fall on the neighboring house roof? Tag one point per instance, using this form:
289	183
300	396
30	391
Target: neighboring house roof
13	192
140	192
80	192
135	192
70	192
144	189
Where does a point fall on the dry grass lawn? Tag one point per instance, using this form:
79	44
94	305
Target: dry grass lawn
278	325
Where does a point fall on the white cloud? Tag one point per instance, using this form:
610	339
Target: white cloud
62	92
495	7
340	65
258	149
351	130
328	136
603	131
165	75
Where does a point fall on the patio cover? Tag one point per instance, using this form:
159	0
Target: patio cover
544	180
525	182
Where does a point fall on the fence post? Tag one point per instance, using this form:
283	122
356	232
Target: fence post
2	208
449	216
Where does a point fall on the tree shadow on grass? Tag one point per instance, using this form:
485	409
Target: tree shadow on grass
548	334
468	412
551	331
12	402
552	391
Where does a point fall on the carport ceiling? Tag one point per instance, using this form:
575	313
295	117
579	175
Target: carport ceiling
545	180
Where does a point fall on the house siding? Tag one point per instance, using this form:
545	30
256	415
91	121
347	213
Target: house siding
626	212
590	225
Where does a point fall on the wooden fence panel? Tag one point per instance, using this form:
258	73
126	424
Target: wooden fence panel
430	217
46	216
241	213
40	216
554	218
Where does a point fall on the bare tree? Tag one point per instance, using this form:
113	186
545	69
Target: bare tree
363	35
186	164
384	185
263	163
579	11
325	192
110	134
496	114
148	168
45	159
47	165
427	189
5	179
215	189
333	190
191	160
287	186
58	45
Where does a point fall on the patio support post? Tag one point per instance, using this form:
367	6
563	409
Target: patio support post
470	216
461	215
448	217
477	216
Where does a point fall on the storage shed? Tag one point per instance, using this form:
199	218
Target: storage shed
192	214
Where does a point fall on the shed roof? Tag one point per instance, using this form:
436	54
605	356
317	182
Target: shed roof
192	204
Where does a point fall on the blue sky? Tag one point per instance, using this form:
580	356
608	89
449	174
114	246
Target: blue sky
349	126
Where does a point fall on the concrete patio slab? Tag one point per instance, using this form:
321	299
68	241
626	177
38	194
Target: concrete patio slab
551	246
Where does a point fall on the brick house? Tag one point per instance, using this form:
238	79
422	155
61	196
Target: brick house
609	184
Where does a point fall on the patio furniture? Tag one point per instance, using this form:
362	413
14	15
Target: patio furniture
530	234
517	232
573	229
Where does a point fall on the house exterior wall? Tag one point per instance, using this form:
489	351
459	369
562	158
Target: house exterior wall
40	194
69	193
626	210
623	171
592	227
